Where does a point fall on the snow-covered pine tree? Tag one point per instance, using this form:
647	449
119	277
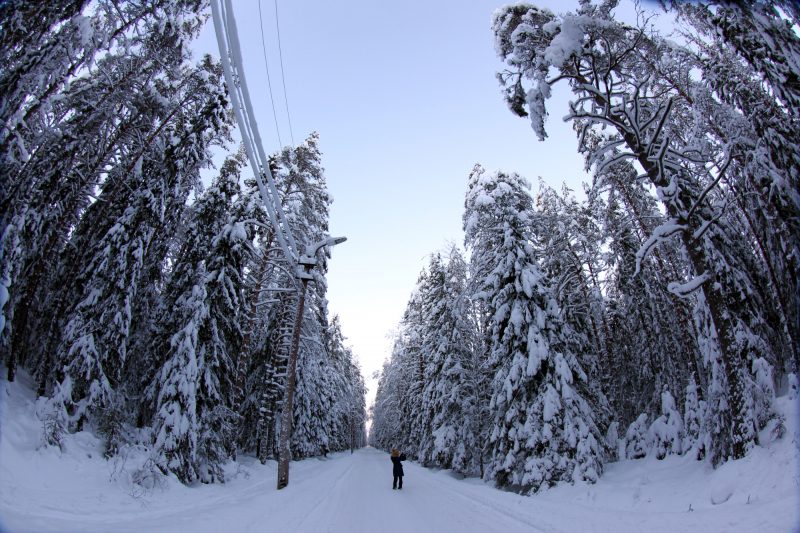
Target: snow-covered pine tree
652	341
655	122
545	421
762	33
306	202
764	177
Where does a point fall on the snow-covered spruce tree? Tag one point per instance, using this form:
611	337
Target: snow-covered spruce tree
399	395
666	431
413	362
332	391
266	382
636	438
450	438
432	301
193	419
257	308
267	322
346	420
28	29
547	427
695	437
43	47
567	239
74	116
314	395
385	410
118	233
29	49
615	73
356	401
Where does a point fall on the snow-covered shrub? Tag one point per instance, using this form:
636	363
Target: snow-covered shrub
694	413
52	431
110	428
146	479
664	435
764	391
214	445
636	438
793	386
53	424
612	438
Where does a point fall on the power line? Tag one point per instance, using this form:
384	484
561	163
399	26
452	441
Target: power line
231	57
269	81
283	76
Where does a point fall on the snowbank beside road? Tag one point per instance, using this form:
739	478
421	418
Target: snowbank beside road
76	489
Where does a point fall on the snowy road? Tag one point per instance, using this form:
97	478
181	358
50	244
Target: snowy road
46	490
352	494
356	496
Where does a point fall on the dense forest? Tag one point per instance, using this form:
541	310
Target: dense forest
659	314
150	305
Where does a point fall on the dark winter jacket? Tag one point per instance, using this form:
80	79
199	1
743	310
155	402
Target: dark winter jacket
398	466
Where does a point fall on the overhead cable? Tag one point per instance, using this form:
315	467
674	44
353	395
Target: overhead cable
231	57
283	75
269	81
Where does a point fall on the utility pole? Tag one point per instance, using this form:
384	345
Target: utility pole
304	267
231	57
353	413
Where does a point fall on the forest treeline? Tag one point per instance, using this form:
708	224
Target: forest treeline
150	308
657	316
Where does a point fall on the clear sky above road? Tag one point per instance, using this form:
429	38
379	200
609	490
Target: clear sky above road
404	97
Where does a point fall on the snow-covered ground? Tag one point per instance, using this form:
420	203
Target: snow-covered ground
44	489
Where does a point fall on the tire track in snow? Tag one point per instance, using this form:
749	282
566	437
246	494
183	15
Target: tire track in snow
491	506
325	501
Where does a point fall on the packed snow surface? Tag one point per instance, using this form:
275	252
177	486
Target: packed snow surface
76	490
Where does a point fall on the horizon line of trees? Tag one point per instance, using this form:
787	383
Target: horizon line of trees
658	316
145	306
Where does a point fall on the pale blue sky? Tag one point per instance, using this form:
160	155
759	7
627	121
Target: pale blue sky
404	97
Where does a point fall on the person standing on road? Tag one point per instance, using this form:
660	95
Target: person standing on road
397	468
